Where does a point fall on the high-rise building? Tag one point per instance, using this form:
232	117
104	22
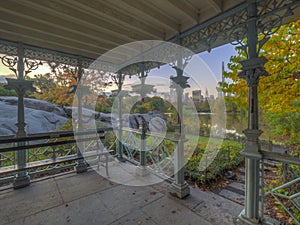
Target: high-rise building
196	95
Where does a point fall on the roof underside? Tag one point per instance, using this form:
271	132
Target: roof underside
89	28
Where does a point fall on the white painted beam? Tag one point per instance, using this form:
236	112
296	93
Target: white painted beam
216	4
185	8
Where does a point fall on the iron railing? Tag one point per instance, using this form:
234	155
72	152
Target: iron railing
286	195
158	149
49	153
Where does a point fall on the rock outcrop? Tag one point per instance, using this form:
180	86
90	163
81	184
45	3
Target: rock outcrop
41	116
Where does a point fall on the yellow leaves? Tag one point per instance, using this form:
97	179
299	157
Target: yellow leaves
278	91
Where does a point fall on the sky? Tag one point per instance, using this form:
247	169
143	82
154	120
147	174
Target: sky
205	71
216	56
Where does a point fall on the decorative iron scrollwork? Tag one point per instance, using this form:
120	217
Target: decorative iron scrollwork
31	65
50	56
118	79
230	28
270	17
8	49
10	62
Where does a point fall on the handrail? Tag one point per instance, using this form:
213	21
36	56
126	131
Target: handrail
49	135
58	156
284	158
275	192
29	146
153	134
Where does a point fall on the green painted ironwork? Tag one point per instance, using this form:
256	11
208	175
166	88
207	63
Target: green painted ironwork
284	194
159	151
48	153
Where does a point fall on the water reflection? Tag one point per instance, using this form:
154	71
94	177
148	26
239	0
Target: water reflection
235	124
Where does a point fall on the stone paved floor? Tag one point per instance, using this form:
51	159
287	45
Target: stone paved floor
88	199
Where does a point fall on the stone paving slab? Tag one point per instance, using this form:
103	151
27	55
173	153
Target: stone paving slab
74	187
17	204
123	200
84	211
87	199
16	222
127	173
168	211
212	207
135	218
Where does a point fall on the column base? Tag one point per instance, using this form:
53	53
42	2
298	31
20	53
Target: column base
141	171
180	190
242	220
21	181
121	159
80	167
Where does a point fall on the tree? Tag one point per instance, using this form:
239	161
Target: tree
54	88
59	86
150	104
279	93
236	89
6	92
281	90
203	106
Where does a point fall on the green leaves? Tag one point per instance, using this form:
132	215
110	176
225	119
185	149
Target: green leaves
279	93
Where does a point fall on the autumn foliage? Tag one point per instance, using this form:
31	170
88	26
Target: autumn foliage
279	93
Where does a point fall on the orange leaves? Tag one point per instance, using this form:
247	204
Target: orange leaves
278	91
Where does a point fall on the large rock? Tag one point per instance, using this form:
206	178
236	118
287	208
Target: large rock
35	104
155	122
91	117
40	116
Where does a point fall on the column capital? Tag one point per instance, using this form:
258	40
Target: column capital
181	81
252	135
19	85
252	70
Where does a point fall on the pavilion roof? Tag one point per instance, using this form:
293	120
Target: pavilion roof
90	28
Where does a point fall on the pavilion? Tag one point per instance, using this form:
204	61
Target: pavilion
75	33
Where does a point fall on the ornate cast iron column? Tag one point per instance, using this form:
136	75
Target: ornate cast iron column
252	69
81	165
143	89
180	187
119	79
20	85
143	161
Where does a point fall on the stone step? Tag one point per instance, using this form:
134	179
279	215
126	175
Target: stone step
240	178
214	208
272	164
241	170
233	196
236	187
270	169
